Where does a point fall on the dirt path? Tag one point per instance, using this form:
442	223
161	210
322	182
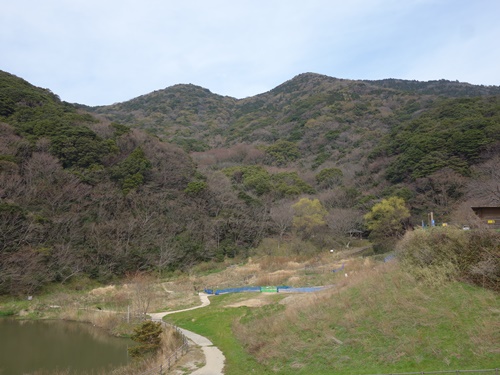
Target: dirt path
214	359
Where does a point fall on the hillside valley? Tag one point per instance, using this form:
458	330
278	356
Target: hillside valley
182	175
319	182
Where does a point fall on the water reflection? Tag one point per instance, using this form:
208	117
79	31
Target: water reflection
29	346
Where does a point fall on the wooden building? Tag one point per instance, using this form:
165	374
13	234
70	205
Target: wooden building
489	216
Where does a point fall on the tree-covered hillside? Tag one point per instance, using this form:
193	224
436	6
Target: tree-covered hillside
416	139
333	122
454	134
84	197
182	175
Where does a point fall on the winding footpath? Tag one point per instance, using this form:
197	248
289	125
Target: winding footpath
214	359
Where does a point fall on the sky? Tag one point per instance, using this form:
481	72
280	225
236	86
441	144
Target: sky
99	52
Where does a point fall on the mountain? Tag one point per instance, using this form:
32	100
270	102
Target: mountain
378	133
183	175
330	119
188	112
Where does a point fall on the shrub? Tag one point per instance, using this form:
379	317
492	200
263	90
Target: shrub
130	173
387	219
283	152
196	188
309	215
439	254
148	335
329	177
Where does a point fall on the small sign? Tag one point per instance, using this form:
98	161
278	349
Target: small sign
445	224
491	221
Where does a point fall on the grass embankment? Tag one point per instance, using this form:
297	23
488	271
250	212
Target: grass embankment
215	322
378	320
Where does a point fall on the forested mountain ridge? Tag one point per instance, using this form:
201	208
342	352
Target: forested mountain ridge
91	192
185	113
378	133
329	119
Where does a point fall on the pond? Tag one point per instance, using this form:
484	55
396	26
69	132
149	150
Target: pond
48	346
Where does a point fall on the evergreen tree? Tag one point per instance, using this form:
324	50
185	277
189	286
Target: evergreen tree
148	335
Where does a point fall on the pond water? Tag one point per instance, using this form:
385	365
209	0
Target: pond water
47	346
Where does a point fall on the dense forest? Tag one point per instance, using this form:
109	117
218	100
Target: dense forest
182	175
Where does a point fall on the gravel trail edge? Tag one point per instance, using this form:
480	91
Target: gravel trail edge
214	358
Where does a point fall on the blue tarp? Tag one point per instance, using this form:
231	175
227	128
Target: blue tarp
283	287
279	289
238	290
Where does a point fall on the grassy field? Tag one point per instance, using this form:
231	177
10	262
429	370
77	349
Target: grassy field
378	320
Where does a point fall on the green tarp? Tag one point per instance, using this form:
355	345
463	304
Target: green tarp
269	289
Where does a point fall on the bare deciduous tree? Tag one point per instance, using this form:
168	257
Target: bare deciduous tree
282	219
342	223
143	292
486	187
441	190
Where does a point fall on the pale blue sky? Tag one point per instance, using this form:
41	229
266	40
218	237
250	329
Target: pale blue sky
105	51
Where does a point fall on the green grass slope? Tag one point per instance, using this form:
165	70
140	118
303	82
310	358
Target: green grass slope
379	320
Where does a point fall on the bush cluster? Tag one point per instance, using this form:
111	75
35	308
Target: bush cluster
444	253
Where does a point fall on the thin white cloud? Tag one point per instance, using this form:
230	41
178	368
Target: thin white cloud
100	52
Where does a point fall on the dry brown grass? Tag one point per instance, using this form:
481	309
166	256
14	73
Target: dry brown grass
103	291
280	277
191	361
260	301
377	306
297	270
171	340
263	340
